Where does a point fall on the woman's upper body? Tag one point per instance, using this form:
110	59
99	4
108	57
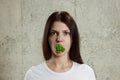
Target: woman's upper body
76	72
63	62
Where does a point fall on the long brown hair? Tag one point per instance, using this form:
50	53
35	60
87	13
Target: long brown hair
66	18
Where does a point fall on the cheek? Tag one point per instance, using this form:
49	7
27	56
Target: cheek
51	41
68	42
68	39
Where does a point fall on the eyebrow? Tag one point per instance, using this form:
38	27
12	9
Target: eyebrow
57	31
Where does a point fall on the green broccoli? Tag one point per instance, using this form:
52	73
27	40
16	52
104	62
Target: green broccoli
59	48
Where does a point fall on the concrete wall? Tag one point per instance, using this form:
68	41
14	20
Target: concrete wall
21	29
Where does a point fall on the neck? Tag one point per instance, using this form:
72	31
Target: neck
60	61
59	64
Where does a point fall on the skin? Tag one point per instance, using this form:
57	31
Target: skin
60	34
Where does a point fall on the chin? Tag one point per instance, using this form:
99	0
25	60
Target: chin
59	54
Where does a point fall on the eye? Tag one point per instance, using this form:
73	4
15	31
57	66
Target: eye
53	33
66	33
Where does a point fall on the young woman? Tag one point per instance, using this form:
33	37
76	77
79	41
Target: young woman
61	52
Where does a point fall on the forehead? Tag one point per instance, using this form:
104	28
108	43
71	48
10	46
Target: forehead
57	25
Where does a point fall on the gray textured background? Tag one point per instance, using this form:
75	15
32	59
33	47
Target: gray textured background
21	29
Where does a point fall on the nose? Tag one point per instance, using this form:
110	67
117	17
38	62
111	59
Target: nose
59	38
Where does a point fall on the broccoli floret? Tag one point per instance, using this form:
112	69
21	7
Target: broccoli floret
59	48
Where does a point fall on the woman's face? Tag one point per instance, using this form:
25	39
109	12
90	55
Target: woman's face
60	34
